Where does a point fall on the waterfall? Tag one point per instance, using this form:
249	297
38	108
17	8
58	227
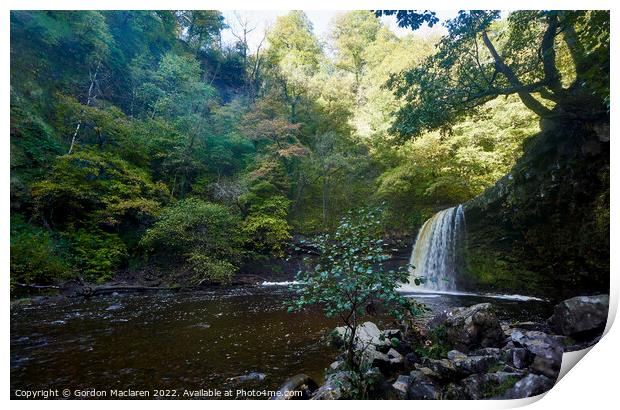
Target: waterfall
437	253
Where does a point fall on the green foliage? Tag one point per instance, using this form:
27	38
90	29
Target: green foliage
34	254
204	233
266	229
479	60
96	187
96	254
349	274
433	347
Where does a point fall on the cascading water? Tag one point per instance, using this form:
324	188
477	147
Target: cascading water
437	253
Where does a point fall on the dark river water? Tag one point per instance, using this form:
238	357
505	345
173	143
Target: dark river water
185	341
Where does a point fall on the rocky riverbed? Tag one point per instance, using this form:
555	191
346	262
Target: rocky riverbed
461	353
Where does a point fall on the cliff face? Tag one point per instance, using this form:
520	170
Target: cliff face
544	228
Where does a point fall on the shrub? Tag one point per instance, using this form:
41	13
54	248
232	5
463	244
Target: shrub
34	256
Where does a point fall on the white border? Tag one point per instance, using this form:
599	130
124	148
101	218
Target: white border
593	384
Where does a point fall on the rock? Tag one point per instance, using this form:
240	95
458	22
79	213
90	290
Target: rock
530	385
366	334
454	391
441	369
520	357
529	326
494	352
337	386
300	382
336	365
374	358
546	367
392	333
395	356
252	376
456	355
401	386
115	306
421	387
539	343
472	327
474	364
487	385
580	314
410	361
546	350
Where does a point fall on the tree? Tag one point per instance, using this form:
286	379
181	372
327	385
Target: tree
352	33
206	234
294	54
475	63
349	274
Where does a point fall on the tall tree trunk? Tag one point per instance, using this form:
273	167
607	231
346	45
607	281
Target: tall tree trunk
93	80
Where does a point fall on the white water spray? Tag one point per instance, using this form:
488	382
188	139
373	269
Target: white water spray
437	253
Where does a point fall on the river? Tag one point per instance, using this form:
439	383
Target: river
186	340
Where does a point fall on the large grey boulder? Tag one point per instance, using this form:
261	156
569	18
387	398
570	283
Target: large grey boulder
546	351
580	314
366	335
470	328
530	385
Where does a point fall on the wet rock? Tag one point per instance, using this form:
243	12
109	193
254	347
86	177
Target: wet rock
530	385
401	386
252	376
338	364
302	383
337	386
421	387
580	314
116	306
472	327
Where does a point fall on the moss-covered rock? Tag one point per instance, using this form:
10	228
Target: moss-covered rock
544	228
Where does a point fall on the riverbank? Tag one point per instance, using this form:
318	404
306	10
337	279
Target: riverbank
461	353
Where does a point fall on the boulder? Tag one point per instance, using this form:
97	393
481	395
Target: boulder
530	385
580	314
472	327
519	357
401	386
300	382
366	334
474	364
539	343
487	385
337	386
442	369
546	351
422	387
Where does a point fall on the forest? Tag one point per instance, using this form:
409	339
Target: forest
138	137
429	196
